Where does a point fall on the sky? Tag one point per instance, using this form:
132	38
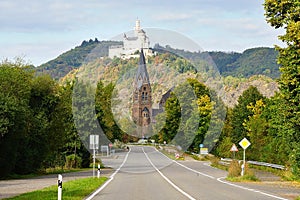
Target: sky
39	31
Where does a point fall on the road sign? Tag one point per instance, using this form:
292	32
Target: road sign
204	151
244	143
94	141
234	148
110	145
201	145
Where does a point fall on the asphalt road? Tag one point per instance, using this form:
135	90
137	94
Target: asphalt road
145	173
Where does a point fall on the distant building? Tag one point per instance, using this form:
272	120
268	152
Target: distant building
132	44
142	112
142	95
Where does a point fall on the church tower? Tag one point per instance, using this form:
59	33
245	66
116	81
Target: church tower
142	100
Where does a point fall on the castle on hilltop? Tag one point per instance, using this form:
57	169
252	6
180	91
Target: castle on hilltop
132	44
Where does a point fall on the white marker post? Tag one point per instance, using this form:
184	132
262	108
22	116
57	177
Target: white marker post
244	143
59	185
98	171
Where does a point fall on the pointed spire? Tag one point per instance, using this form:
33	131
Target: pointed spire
142	76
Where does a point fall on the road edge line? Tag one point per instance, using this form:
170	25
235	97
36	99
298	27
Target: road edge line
249	189
111	177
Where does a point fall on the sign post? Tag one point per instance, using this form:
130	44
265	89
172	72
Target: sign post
244	143
94	144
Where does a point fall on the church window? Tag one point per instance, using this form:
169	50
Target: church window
146	96
143	96
144	88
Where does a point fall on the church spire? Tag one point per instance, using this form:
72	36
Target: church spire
142	76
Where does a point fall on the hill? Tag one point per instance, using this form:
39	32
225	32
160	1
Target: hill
255	61
165	70
74	58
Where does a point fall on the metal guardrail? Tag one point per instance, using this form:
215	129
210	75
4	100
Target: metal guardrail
275	166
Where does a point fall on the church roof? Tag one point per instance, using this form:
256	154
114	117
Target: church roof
142	76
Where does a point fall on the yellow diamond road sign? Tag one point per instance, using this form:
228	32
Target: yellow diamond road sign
244	143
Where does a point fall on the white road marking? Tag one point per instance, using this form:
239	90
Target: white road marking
224	182
110	178
249	189
168	180
190	169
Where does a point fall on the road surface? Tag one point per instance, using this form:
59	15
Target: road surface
145	173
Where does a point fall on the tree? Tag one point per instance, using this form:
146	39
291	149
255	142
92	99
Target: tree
286	14
15	87
241	113
257	126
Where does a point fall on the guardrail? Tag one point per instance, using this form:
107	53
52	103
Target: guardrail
275	166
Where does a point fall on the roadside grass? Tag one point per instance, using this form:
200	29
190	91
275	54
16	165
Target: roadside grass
44	172
75	190
245	178
171	155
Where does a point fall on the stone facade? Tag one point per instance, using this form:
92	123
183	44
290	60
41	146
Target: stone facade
142	99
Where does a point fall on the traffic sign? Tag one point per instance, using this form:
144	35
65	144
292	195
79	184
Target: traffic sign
110	145
234	148
201	145
94	141
244	143
204	151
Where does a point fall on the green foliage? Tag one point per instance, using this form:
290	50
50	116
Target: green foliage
104	113
253	62
241	113
74	58
15	89
188	112
261	60
285	14
73	161
36	126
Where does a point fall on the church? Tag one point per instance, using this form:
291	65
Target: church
142	112
142	99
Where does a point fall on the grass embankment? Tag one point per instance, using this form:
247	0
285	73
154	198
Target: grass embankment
75	190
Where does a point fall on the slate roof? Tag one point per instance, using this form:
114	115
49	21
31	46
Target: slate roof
142	76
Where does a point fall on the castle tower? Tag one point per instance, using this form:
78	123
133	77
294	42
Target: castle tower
137	27
142	99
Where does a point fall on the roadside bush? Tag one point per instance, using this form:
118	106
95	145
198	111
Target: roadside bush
73	161
234	169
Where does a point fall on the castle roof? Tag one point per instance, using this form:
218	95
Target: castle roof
142	76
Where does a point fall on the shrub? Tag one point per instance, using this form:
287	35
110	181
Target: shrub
234	169
73	161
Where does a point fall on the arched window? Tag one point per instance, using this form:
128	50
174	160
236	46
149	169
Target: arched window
143	96
146	96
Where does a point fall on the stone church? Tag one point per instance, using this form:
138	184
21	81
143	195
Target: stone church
142	112
142	99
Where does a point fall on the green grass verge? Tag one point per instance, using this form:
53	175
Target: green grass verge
245	178
75	190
